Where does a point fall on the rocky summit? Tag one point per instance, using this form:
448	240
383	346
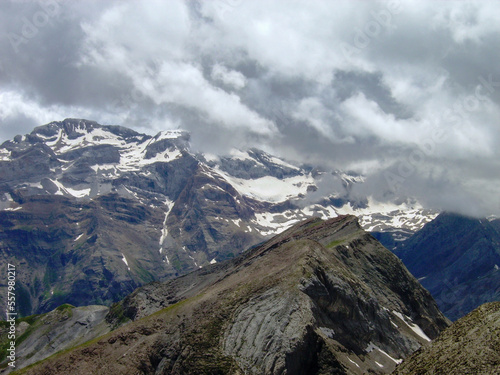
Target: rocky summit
471	345
323	297
89	212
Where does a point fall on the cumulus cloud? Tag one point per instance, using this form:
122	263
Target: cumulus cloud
376	87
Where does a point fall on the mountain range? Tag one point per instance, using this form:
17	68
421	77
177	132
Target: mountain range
89	212
321	297
457	259
138	255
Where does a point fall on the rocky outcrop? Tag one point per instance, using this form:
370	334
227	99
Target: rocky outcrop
471	345
40	336
322	297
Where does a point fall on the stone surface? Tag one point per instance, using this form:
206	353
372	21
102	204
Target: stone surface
471	345
65	327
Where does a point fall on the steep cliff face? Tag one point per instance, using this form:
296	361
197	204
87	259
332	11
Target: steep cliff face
322	297
471	345
77	252
89	212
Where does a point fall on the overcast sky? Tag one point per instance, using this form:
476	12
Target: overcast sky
405	92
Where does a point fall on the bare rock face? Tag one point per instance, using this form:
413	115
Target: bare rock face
278	324
40	336
323	297
471	345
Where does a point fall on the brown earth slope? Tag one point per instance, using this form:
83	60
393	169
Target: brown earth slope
471	345
320	298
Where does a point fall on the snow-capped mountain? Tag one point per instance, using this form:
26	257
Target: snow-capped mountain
113	209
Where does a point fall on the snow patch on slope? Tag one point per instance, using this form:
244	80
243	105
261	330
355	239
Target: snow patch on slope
415	328
132	154
270	189
378	217
125	261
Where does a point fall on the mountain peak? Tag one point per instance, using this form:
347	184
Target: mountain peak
72	127
172	134
322	297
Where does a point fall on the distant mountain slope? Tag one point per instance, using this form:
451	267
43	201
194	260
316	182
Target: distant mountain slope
457	259
90	212
471	345
322	297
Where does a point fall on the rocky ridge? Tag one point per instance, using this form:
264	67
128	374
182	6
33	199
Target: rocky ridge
321	297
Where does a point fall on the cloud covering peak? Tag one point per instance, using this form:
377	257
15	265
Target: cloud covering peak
406	93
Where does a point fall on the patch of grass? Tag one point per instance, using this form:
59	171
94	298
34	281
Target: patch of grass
28	319
66	308
144	275
171	307
4	345
26	228
176	263
315	224
49	277
24	300
335	243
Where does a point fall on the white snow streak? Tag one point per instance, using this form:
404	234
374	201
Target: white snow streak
415	328
125	261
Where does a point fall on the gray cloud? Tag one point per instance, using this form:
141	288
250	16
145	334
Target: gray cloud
348	85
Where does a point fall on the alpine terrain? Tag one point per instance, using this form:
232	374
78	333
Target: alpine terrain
471	345
88	212
323	297
457	259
